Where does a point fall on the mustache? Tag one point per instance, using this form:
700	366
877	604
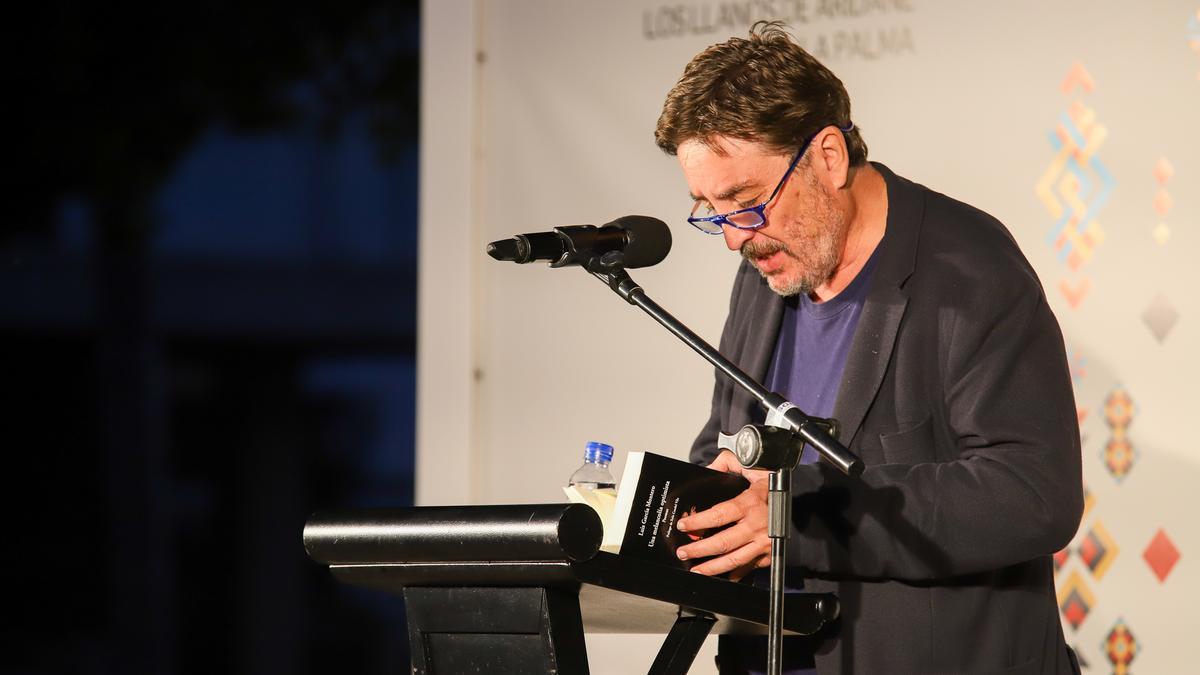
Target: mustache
760	249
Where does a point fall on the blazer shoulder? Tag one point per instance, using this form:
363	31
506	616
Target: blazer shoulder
963	242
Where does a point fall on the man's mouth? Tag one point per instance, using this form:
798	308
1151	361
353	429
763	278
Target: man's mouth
769	264
767	259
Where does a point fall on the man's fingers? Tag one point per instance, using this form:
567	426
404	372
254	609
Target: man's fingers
727	462
727	511
762	561
719	544
741	572
748	556
720	514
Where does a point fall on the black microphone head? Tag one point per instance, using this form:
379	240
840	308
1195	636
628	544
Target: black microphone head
648	240
505	249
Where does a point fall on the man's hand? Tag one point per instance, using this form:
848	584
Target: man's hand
741	547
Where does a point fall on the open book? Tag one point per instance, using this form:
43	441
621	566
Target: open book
655	491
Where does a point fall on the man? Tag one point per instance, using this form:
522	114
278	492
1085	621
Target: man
916	322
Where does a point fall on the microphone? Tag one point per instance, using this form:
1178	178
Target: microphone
631	241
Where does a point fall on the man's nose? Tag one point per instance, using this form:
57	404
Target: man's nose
734	237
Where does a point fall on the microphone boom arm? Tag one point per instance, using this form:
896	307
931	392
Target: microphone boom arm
814	431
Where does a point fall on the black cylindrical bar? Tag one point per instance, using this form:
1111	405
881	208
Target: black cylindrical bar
522	532
698	344
826	445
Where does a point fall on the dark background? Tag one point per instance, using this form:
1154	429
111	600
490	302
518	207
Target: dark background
207	331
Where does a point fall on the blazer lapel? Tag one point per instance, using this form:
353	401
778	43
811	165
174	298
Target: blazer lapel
761	343
757	340
875	337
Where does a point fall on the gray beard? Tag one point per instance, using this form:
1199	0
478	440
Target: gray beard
815	271
818	255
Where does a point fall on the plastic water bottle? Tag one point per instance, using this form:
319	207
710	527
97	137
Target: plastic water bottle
594	473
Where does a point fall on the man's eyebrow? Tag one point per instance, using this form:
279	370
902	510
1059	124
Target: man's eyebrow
729	193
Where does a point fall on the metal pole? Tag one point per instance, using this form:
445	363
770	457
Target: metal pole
778	498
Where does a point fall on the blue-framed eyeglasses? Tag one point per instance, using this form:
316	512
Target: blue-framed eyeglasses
750	218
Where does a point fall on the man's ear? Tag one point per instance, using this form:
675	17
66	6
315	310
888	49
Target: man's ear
833	156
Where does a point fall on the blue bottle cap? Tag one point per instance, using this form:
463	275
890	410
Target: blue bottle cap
598	452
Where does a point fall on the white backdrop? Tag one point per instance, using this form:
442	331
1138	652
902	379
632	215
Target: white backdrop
1073	122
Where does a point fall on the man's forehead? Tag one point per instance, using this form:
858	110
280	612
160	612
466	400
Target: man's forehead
721	167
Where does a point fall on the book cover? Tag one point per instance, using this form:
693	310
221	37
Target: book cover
656	491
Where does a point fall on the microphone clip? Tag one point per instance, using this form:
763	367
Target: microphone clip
580	242
764	446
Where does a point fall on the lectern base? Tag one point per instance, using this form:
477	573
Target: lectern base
682	644
495	630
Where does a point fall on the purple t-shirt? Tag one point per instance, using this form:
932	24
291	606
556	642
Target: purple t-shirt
810	355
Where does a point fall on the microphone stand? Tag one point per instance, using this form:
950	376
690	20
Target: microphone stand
817	432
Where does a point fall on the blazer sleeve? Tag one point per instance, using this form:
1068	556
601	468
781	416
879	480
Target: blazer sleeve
1008	486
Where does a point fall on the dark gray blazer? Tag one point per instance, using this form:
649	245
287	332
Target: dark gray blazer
957	396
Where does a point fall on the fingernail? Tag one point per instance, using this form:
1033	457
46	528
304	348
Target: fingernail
682	554
681	525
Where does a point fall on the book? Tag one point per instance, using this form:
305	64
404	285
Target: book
655	491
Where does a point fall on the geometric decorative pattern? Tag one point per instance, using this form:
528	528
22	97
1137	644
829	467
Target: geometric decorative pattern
1119	455
1075	600
1074	293
1078	76
1077	365
1161	234
1097	550
1076	185
1089	500
1060	558
1163	171
1162	201
1161	555
1160	317
1121	647
1118	409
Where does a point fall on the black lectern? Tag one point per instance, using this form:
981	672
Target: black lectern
510	589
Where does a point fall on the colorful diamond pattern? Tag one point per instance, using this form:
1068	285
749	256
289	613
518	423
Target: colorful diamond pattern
1075	600
1060	559
1078	76
1076	185
1119	455
1077	365
1121	647
1075	293
1163	202
1161	234
1161	555
1118	409
1097	550
1163	171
